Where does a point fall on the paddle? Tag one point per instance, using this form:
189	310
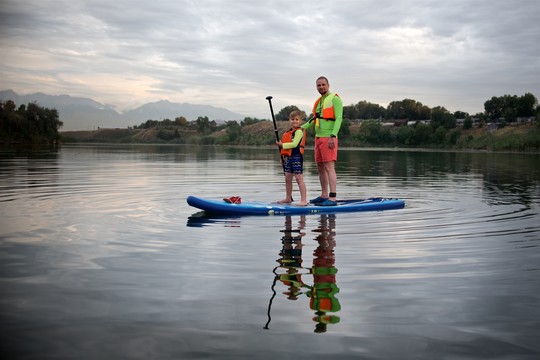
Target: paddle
276	276
269	98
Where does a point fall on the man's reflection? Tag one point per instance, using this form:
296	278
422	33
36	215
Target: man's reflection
290	270
324	289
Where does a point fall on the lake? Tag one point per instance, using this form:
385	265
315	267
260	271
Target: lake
102	258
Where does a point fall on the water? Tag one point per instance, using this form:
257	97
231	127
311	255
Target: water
101	258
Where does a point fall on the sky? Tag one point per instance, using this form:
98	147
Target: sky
235	53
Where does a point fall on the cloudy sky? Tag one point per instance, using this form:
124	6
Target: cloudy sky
234	53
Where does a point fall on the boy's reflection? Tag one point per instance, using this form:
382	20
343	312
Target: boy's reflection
291	257
322	292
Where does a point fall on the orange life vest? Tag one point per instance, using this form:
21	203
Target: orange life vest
288	137
327	111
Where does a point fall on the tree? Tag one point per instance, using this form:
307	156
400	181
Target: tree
442	117
439	136
526	105
467	124
422	134
32	123
233	131
367	110
494	107
373	133
349	112
181	121
249	121
509	107
407	109
284	113
203	124
460	114
405	135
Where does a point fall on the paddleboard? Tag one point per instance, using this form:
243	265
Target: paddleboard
219	206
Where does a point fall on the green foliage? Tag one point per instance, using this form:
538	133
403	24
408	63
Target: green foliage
439	136
168	134
422	135
407	109
440	131
372	133
181	121
28	124
204	125
249	121
510	107
345	130
405	136
233	132
453	136
461	115
441	117
364	110
147	125
527	105
468	123
283	114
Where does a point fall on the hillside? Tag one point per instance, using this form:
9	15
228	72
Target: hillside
511	138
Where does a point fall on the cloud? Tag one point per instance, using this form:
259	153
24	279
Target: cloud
234	53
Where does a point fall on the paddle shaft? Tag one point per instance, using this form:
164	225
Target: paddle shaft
269	98
276	276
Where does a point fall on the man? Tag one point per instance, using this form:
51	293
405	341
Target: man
326	117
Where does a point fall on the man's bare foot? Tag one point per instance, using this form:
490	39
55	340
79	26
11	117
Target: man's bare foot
284	201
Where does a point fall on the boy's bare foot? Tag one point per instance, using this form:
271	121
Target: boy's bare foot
302	203
284	201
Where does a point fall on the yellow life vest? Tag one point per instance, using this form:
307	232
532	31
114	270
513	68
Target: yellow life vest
327	108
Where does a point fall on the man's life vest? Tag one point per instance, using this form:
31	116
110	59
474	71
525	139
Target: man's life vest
322	297
288	137
326	111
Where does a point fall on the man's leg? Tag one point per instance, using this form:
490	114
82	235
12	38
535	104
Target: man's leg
323	179
331	177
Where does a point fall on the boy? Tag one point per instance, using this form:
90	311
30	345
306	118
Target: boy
292	149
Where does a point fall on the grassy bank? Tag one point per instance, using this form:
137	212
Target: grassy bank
520	138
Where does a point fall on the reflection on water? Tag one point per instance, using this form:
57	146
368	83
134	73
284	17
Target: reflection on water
96	260
323	289
499	173
322	295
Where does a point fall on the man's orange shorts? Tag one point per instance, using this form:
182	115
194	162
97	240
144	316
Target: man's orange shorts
322	152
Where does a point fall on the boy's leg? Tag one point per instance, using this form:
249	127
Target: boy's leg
288	189
302	187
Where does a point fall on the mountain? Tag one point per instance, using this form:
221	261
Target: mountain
165	109
86	114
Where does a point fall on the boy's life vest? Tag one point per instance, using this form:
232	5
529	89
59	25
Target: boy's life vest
288	137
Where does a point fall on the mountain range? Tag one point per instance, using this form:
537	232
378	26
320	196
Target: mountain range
86	114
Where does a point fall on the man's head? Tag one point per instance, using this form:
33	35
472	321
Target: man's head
323	85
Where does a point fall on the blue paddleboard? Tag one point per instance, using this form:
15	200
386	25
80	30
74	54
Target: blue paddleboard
261	208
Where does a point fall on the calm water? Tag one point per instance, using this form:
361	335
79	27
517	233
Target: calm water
101	258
